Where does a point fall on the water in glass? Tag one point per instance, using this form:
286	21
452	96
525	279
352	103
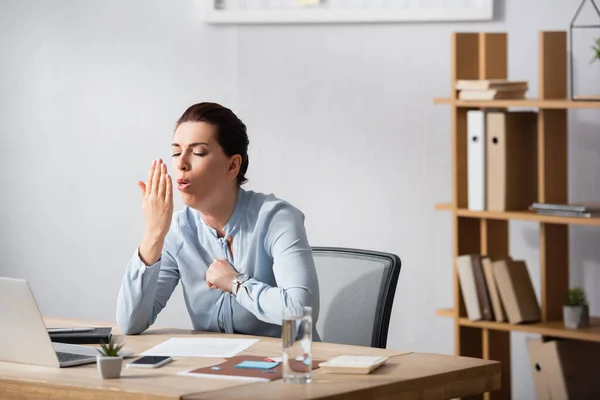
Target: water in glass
297	345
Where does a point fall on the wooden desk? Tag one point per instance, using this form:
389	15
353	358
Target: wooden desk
405	376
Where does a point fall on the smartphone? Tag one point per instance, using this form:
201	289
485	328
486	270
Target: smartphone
150	362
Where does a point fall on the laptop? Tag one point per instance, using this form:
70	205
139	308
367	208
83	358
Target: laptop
23	335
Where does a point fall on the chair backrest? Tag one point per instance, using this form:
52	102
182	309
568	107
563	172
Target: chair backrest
357	289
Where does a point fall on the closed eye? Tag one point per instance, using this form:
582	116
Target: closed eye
199	154
176	155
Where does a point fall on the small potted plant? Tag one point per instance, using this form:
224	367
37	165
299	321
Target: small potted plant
109	361
596	49
575	310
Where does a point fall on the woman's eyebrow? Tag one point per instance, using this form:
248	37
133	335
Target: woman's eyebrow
191	144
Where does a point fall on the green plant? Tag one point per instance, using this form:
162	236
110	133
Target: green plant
576	297
110	349
596	48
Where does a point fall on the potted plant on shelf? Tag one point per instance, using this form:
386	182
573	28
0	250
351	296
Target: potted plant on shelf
596	49
575	310
109	361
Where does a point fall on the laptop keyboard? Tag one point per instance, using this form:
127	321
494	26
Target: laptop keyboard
64	357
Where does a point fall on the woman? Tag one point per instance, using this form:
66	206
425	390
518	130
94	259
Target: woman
242	257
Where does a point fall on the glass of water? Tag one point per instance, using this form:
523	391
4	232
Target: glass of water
296	334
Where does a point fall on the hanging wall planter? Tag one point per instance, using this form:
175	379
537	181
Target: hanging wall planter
584	57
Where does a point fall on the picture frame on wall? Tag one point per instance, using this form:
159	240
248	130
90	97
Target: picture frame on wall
344	11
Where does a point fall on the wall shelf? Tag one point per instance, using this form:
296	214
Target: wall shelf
519	215
551	328
556	104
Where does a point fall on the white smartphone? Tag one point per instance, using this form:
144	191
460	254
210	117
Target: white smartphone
150	362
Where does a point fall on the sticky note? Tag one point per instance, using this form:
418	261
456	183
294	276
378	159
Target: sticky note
257	364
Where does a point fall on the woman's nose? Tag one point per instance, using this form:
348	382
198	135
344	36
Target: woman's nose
182	164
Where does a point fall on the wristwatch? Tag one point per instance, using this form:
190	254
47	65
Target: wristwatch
238	281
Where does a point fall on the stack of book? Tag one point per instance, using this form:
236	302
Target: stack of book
581	210
497	289
491	89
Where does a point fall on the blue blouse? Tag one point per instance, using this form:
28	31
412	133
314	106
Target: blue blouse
269	244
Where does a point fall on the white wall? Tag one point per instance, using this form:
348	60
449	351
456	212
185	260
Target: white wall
341	121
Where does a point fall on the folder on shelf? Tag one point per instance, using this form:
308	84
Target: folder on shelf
564	369
476	175
516	291
511	160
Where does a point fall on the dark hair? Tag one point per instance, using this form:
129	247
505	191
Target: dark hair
231	131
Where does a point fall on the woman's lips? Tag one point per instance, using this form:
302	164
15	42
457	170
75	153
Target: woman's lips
183	184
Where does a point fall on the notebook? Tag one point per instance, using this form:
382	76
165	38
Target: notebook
251	368
97	336
349	364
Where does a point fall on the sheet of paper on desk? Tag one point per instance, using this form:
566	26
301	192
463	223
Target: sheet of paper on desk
200	347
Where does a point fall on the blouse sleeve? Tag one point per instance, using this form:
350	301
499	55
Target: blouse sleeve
293	268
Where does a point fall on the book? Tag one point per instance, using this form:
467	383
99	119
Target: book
468	287
577	214
491	94
96	336
474	288
571	207
516	291
497	307
482	290
353	364
228	370
486	84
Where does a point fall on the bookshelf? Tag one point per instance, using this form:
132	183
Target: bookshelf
483	55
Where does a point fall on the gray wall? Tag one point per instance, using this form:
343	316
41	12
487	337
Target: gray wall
341	120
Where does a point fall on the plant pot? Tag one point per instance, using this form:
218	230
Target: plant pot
576	317
109	367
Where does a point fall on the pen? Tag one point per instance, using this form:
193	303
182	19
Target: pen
69	330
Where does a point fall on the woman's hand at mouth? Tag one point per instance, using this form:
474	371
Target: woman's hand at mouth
157	206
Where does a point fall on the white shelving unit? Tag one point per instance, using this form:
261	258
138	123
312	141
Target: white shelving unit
344	11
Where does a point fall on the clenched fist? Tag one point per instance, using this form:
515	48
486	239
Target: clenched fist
220	275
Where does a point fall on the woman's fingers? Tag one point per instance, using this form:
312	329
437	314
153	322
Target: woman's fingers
162	183
142	187
169	190
150	175
156	177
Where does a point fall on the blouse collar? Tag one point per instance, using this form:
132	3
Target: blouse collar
234	221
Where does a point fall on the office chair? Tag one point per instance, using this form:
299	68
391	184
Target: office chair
357	289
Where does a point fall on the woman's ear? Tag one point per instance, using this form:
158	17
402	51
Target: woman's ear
235	162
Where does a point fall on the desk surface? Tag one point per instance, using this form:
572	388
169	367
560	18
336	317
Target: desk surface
415	375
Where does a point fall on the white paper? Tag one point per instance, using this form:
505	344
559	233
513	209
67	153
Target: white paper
200	347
